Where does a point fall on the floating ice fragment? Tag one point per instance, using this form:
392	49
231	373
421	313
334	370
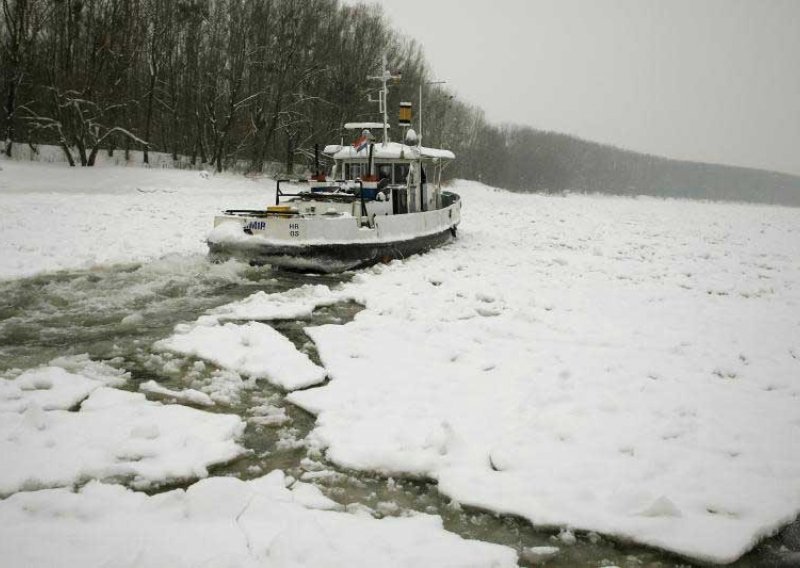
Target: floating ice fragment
132	320
297	303
537	554
268	415
113	434
253	349
311	497
187	396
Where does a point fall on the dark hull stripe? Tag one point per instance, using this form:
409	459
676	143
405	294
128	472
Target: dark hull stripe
329	257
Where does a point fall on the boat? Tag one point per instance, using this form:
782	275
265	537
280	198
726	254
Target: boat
382	200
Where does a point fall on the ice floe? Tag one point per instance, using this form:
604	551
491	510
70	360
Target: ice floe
59	428
627	366
297	303
222	522
253	349
185	396
607	364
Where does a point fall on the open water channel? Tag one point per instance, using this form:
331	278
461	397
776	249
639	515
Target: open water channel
116	313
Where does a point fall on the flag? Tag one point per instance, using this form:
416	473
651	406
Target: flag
361	143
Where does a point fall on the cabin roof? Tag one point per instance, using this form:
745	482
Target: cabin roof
363	125
388	151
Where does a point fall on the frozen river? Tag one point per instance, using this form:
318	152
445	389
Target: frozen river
580	380
117	313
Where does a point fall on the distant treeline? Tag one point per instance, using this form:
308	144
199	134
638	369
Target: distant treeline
533	160
222	81
240	83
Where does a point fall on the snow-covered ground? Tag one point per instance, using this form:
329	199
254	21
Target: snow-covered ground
55	217
625	366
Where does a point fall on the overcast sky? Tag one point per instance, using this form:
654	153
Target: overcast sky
705	80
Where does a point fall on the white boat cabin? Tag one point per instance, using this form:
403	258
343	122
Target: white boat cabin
393	178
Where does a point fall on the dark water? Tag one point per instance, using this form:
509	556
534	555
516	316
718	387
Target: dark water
115	314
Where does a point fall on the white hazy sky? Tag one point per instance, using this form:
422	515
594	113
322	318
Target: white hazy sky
705	80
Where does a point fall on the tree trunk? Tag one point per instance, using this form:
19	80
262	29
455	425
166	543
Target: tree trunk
220	150
93	156
289	155
149	116
82	152
17	34
176	137
11	99
68	154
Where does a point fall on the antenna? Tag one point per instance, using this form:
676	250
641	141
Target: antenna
383	96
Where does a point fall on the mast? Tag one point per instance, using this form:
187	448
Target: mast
383	96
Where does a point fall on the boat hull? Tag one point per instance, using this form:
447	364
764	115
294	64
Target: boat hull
329	257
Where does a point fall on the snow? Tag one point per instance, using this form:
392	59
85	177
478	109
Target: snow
621	365
55	217
46	442
297	303
253	349
389	151
224	387
625	366
222	522
186	396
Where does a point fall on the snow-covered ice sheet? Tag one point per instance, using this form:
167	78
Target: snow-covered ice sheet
55	217
185	396
297	303
59	428
253	349
626	366
222	522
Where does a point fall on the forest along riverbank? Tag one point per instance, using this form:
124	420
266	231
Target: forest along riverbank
117	314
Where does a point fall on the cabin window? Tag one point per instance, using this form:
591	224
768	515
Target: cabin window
384	171
400	173
353	171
